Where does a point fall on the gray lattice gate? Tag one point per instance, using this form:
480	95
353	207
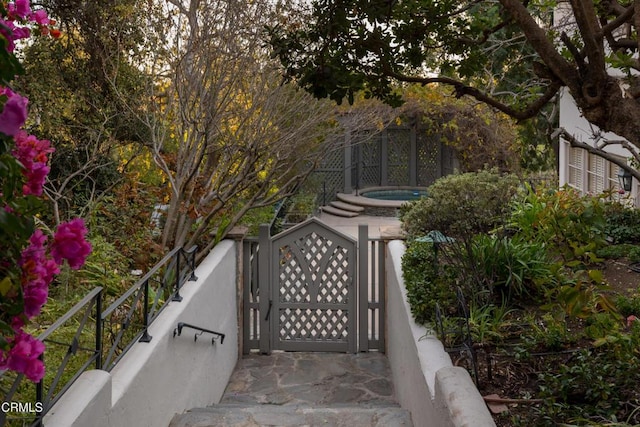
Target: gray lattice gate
301	291
313	271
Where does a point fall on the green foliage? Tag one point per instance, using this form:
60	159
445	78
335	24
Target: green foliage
489	323
426	282
255	217
461	205
582	297
628	305
596	380
480	137
572	226
124	219
616	251
601	325
622	223
550	333
511	267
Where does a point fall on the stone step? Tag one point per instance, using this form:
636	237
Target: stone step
346	206
294	416
339	212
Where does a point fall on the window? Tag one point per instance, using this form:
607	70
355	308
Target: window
575	167
596	173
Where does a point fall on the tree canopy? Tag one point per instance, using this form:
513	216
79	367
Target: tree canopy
530	49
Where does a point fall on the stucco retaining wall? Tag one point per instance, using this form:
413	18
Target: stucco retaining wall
426	383
168	375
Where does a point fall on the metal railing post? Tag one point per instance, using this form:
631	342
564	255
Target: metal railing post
193	265
145	315
176	295
99	330
40	396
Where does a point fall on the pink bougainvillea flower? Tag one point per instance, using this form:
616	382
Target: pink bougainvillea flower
41	17
35	179
23	356
37	274
11	33
20	9
69	243
14	112
33	154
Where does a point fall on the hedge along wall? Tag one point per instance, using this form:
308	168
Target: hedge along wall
425	381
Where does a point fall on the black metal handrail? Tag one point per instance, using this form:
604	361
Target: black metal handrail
178	331
126	321
117	328
52	387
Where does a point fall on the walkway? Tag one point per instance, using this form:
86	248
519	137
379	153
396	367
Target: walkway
310	389
305	389
379	226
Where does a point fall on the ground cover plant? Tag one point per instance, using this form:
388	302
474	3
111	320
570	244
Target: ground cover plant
552	302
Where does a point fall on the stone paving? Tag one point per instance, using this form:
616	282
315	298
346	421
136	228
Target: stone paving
311	378
305	389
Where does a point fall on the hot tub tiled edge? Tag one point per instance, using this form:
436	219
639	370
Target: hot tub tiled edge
436	393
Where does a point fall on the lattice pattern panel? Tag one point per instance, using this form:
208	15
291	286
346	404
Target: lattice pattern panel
428	157
448	160
314	270
370	153
329	176
399	149
313	325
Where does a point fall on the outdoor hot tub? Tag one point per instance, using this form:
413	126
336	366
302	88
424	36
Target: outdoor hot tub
396	194
383	201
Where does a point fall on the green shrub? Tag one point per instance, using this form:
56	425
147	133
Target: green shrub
616	251
489	323
595	382
622	223
628	305
426	282
461	205
572	226
634	254
511	268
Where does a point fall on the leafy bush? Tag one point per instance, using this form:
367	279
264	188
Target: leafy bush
426	282
572	226
489	323
597	382
628	306
622	223
616	251
461	205
511	268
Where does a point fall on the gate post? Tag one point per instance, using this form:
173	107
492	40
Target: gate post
264	257
362	292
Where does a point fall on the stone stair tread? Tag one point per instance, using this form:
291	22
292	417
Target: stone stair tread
339	212
346	206
294	415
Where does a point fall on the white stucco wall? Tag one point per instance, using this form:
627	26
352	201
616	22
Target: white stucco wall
571	120
168	375
426	383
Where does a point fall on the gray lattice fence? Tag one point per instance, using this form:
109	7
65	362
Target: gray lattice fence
396	156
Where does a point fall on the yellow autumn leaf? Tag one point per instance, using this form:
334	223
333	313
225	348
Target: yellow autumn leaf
5	285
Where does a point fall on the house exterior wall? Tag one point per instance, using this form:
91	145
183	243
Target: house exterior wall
581	170
578	169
